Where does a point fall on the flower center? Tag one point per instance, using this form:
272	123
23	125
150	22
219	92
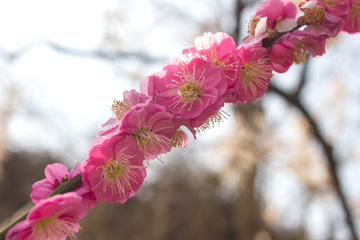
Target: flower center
255	75
356	8
117	174
315	16
53	228
185	88
119	108
329	2
252	25
299	53
151	144
112	169
189	91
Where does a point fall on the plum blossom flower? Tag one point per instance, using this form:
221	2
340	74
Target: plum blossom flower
255	72
280	14
220	49
211	116
320	22
114	169
337	7
352	19
57	173
151	126
180	139
304	42
281	56
257	29
53	218
119	108
188	86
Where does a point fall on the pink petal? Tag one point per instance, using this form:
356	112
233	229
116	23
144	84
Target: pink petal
55	171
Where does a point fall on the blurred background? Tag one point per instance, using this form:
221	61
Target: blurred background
285	166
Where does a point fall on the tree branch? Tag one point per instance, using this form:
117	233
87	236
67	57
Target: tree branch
328	150
302	76
83	53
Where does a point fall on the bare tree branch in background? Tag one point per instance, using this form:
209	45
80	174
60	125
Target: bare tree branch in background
76	52
294	100
328	149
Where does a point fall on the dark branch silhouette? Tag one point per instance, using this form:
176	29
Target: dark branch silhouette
328	149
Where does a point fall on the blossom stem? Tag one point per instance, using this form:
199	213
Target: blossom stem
279	35
62	188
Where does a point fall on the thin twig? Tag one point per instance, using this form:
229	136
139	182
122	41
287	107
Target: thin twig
303	76
83	53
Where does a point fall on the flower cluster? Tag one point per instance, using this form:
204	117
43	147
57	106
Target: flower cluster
188	92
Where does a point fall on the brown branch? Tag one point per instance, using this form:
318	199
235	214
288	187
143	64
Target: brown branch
62	188
328	150
302	76
239	7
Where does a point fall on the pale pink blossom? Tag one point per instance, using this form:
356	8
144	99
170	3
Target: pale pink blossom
151	126
258	30
119	108
352	19
114	169
53	218
255	72
320	22
55	174
220	49
281	56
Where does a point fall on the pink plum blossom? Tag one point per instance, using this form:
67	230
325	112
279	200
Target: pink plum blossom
280	14
114	169
320	22
57	173
211	115
304	42
53	218
151	126
258	30
281	56
352	19
119	108
189	86
337	7
220	49
180	139
255	72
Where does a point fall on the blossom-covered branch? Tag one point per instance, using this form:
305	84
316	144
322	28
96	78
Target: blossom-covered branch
189	91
